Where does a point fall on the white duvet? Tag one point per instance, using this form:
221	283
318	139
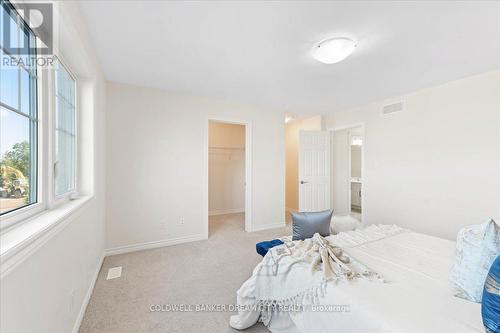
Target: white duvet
417	297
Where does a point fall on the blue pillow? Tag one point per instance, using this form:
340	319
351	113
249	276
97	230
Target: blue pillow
306	224
490	305
263	247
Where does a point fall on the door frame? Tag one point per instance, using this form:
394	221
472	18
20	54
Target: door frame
248	169
363	175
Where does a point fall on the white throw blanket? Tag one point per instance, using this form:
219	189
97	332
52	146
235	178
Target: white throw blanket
280	279
296	273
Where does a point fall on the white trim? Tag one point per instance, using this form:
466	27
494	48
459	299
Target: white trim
54	199
248	169
22	241
204	206
226	211
248	176
268	226
86	299
153	245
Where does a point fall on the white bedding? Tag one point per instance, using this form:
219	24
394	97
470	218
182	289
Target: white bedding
417	297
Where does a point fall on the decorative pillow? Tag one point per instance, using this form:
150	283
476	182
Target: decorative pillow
263	247
490	306
344	223
477	247
306	224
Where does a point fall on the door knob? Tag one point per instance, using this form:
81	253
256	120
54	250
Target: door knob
303	182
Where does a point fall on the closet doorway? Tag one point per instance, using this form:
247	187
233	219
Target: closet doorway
228	160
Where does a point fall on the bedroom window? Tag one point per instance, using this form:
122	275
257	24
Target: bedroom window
18	116
65	131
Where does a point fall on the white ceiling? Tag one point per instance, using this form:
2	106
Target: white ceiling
260	52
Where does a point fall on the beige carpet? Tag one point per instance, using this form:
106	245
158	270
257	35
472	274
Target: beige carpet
204	272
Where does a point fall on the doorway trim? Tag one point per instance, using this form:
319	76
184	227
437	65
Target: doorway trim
248	169
363	175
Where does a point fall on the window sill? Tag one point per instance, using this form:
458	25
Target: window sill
21	241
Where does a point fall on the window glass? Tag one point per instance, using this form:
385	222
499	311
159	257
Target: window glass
18	123
25	91
16	164
14	32
65	135
9	77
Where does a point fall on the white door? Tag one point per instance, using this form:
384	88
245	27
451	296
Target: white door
314	171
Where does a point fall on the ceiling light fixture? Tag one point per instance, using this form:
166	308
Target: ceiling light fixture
334	50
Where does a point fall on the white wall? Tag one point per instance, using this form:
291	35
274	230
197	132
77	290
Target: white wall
36	295
292	129
226	166
156	173
434	167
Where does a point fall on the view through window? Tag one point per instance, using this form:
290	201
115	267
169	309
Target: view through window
18	117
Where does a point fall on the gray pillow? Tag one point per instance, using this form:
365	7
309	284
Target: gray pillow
306	224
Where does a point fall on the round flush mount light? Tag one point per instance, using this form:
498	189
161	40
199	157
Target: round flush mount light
334	50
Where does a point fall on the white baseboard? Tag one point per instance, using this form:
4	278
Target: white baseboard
226	211
153	245
268	226
86	299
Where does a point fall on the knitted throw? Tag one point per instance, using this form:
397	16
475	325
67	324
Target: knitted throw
296	273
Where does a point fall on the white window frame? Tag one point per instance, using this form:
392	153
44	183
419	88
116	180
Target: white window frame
57	200
16	216
46	116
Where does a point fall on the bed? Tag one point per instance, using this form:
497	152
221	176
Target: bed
416	297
